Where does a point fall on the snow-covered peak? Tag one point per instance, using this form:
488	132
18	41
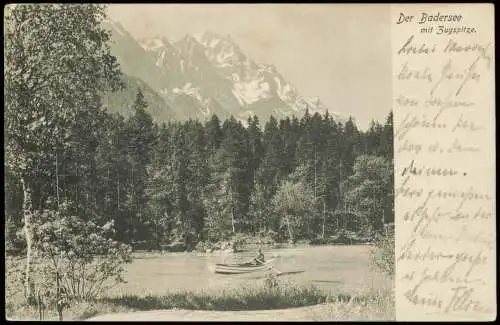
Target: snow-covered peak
153	44
164	53
220	50
188	41
209	36
198	36
209	73
191	48
115	26
267	67
314	101
206	36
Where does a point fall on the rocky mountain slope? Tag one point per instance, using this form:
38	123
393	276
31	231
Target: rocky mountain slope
200	75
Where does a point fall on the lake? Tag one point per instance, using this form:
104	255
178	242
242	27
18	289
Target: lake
332	268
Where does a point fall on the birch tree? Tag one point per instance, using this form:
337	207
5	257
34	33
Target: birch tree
57	66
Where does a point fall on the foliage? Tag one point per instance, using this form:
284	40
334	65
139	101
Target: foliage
343	237
238	241
184	181
192	182
81	253
14	241
57	66
382	255
14	268
368	305
295	205
181	180
371	187
271	282
57	63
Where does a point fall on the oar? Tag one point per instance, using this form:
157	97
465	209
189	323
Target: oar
270	266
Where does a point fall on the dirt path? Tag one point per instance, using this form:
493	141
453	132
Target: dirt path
290	314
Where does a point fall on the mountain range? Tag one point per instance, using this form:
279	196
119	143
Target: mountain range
200	75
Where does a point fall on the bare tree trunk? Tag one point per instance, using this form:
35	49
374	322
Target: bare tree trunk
27	211
232	220
324	221
58	297
39	300
118	193
315	160
107	191
289	228
383	221
76	185
232	196
57	181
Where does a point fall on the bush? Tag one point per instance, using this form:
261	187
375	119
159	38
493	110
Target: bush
382	254
78	255
145	245
14	240
343	237
246	240
238	241
14	269
271	281
203	246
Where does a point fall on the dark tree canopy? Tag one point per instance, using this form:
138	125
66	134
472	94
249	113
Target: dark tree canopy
179	181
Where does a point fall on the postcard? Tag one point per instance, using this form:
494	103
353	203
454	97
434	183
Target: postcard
262	162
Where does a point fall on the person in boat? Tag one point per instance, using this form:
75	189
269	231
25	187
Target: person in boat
259	259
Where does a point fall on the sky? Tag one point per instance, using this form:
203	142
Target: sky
339	53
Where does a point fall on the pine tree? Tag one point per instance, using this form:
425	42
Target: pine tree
270	173
235	152
213	133
141	135
255	147
386	138
197	173
329	172
289	139
160	204
352	145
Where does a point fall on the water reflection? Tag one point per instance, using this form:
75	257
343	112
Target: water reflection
331	268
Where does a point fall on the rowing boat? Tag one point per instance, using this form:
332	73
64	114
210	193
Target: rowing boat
240	268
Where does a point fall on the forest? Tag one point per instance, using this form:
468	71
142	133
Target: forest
190	181
304	177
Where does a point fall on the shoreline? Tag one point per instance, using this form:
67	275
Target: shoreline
247	249
289	314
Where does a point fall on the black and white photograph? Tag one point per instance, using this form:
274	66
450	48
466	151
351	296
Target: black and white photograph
198	162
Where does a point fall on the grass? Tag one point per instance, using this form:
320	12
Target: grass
257	297
250	298
371	305
343	306
344	303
